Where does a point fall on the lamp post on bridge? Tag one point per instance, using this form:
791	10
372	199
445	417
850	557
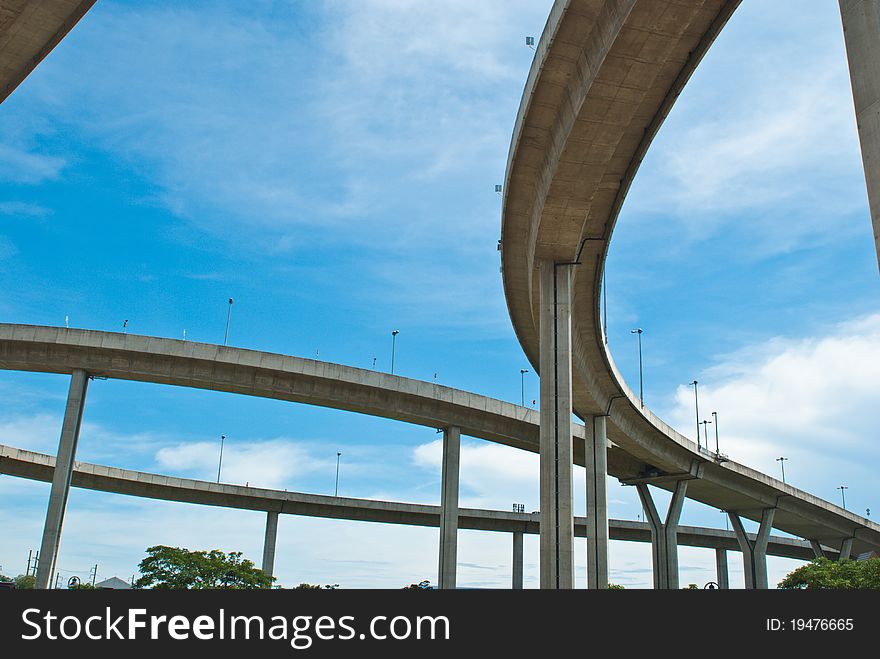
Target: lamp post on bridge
641	378
522	386
843	489
697	408
706	432
394	334
781	462
220	463
715	419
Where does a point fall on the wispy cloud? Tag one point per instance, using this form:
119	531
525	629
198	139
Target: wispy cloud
19	165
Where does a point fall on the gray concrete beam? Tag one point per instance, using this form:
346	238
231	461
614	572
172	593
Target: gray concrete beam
269	543
597	506
556	454
861	29
517	571
721	571
448	554
846	549
61	478
754	551
664	534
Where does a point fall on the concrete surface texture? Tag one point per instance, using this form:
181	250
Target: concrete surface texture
29	30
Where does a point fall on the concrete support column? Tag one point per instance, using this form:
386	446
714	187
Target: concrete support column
818	552
517	581
754	551
449	507
846	549
557	514
269	543
76	400
664	534
861	29
721	569
597	505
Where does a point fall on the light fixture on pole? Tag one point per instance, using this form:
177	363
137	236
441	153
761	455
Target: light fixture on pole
706	432
394	334
641	384
498	190
220	463
697	408
522	386
530	42
124	325
715	419
336	493
781	462
843	489
228	316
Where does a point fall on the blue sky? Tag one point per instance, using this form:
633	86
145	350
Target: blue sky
331	165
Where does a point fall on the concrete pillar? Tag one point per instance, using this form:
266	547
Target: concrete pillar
269	543
517	581
861	29
597	505
557	514
818	552
76	399
449	507
664	534
846	549
722	577
754	551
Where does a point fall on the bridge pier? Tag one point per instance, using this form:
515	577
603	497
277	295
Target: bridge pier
556	453
861	30
449	507
64	459
517	578
721	571
596	459
754	551
664	534
846	549
269	543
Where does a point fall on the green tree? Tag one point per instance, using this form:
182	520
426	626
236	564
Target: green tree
824	574
25	581
174	568
310	586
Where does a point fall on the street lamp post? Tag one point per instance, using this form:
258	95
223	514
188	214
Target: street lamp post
220	463
228	317
641	381
781	462
697	408
338	454
394	334
706	432
843	489
715	419
522	386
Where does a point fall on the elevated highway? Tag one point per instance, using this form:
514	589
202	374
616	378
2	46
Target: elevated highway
605	75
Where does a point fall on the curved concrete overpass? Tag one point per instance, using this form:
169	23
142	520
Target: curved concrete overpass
40	467
605	76
282	377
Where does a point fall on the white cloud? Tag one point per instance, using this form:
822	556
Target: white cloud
18	165
809	399
271	463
